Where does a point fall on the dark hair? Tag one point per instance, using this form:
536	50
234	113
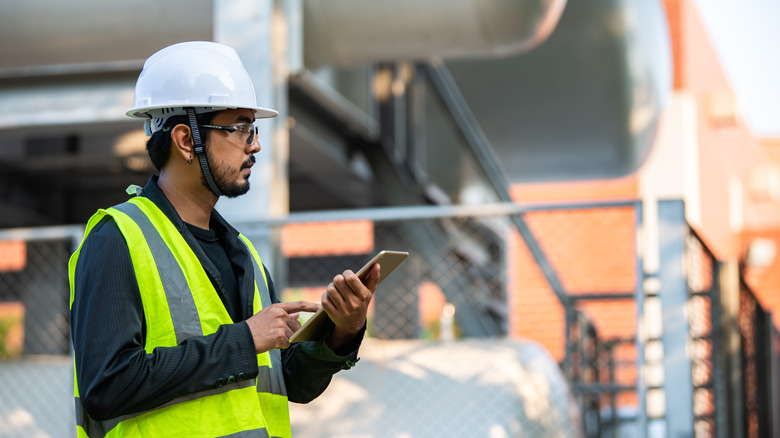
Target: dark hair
159	144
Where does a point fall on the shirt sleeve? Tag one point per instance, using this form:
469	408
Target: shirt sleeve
115	375
309	366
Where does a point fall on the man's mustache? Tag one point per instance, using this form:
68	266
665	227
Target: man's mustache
249	161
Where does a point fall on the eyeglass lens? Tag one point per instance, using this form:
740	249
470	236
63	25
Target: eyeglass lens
253	131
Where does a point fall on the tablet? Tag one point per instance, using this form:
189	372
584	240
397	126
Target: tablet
319	322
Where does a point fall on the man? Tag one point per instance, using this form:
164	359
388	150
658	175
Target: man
176	326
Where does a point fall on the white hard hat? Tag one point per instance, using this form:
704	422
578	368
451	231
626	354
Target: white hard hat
203	75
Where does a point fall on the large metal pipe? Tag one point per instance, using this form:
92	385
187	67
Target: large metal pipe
349	32
583	105
46	32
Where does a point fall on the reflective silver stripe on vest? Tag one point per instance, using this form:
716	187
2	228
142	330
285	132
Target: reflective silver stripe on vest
258	433
268	379
271	379
184	313
99	429
262	285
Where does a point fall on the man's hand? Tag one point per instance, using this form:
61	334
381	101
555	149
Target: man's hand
272	327
346	302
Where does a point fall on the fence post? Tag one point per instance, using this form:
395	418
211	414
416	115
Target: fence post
640	336
774	378
731	351
678	384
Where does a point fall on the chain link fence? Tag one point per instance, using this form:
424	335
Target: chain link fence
454	261
454	289
36	375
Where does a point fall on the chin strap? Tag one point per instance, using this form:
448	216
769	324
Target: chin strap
200	152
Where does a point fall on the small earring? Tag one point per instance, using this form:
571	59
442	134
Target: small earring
190	161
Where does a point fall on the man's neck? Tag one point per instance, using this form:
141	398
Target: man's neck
193	202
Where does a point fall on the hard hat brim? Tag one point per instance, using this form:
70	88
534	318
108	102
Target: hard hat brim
145	112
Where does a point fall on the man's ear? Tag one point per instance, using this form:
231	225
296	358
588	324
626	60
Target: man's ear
181	140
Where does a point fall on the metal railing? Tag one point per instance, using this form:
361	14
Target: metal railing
704	310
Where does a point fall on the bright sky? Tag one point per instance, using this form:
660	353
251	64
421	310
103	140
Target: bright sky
746	35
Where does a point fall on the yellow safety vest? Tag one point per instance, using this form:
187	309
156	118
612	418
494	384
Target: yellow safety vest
179	301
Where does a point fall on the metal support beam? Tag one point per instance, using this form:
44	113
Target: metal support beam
678	384
262	42
428	238
398	185
485	155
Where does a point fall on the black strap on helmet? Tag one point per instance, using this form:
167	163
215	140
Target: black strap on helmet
200	152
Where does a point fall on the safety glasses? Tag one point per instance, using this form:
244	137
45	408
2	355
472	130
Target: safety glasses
247	129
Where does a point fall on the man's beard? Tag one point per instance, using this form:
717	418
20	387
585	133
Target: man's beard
228	181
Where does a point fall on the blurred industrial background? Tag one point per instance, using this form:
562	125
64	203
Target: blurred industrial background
593	227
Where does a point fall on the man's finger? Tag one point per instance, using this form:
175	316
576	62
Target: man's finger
293	324
333	297
299	306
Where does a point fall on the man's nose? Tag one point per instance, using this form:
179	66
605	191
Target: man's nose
255	147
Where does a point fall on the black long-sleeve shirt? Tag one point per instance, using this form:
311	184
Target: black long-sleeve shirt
115	374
